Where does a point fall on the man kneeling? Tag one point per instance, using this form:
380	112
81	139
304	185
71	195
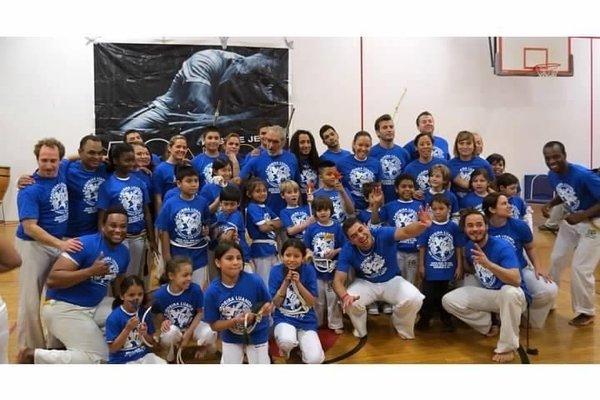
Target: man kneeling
503	291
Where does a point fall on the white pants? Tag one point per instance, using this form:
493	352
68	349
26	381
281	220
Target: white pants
37	262
327	299
233	353
3	332
405	299
79	329
137	255
200	277
203	335
557	214
288	337
407	262
263	266
149	358
583	240
474	306
543	296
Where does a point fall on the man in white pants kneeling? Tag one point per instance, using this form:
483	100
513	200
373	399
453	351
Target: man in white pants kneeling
372	255
502	290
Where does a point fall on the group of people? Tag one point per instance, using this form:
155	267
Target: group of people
281	242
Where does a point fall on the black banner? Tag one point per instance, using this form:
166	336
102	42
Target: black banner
163	90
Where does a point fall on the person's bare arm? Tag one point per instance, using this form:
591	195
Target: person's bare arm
9	257
36	232
66	273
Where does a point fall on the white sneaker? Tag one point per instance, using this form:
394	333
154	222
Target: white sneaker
387	308
372	309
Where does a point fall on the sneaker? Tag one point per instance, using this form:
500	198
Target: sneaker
372	309
547	228
582	320
387	308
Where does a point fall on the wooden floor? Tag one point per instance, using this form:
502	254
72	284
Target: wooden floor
558	342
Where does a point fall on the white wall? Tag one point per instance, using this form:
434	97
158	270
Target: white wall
46	89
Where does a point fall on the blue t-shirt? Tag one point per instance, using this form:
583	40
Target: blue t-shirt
464	169
163	178
224	221
400	213
440	149
179	308
291	216
263	243
320	239
499	252
472	200
250	156
183	220
211	191
377	265
329	155
355	173
90	292
339	213
273	170
147	179
47	201
134	348
517	206
454	206
83	186
247	295
155	160
515	232
420	171
579	188
440	241
393	161
293	310
131	194
202	163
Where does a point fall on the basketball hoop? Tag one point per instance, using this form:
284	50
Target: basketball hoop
547	70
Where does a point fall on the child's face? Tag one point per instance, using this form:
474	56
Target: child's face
498	168
133	297
405	190
232	145
179	149
323	216
440	211
181	279
436	180
225	172
189	185
292	258
291	196
212	140
329	176
230	263
125	163
510	190
259	194
142	156
229	206
466	148
480	184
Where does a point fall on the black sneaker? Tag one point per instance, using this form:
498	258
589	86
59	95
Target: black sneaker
582	320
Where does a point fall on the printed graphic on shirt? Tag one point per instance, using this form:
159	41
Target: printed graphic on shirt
234	306
208	173
108	278
298	217
423	180
131	199
391	166
486	277
441	246
292	305
359	176
465	173
373	266
437	152
188	224
277	172
59	199
90	193
180	314
322	243
568	195
403	217
308	175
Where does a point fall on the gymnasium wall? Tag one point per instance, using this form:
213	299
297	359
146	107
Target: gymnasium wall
46	89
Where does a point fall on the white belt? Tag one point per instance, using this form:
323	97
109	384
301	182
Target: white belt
202	244
265	241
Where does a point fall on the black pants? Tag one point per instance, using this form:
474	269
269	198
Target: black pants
434	291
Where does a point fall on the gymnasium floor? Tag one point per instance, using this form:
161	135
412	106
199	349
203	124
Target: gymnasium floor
557	343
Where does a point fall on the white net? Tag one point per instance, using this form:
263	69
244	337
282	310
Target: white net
547	70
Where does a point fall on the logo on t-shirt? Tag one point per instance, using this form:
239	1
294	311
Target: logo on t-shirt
234	306
373	266
292	306
321	243
298	217
358	177
403	217
59	199
113	269
180	314
509	240
308	175
132	199
208	173
568	196
514	210
90	191
188	223
277	172
465	173
391	166
441	246
437	152
485	276
423	180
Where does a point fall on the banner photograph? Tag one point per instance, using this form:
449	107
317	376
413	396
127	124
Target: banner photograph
163	90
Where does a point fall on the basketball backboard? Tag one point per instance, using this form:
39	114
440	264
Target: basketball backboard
518	56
